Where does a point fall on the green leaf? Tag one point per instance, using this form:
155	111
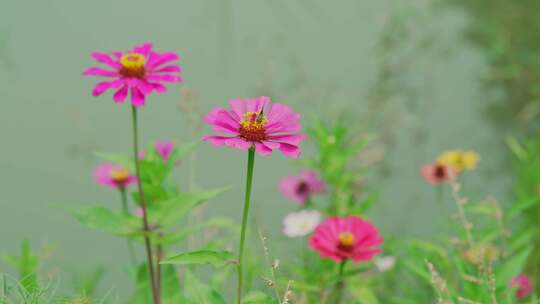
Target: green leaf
171	211
200	293
214	258
217	222
520	207
364	294
512	267
107	220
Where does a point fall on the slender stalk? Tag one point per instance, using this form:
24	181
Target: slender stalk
249	182
131	250
338	290
146	227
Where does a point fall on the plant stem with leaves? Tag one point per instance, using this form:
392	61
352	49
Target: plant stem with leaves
146	226
247	197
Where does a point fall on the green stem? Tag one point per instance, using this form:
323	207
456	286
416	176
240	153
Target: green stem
338	290
125	209
249	182
146	227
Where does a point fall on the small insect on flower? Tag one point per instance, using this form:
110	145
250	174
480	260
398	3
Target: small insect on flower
348	238
140	71
114	176
301	223
436	173
459	160
301	187
256	123
523	285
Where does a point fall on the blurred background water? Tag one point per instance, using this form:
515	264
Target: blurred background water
400	70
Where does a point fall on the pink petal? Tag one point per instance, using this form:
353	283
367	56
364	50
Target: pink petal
143	49
165	78
291	139
159	59
289	150
102	87
169	68
238	107
121	94
262	149
233	142
95	71
105	59
137	97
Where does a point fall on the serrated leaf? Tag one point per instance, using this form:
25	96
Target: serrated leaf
214	258
107	220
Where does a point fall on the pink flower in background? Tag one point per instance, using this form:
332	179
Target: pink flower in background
349	238
164	149
301	187
138	72
523	286
437	174
256	123
139	212
114	176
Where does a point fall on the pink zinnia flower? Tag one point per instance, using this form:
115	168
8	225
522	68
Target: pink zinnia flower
301	187
256	123
164	149
437	174
114	176
523	285
140	71
349	238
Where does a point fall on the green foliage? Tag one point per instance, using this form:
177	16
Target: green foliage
337	150
27	266
214	258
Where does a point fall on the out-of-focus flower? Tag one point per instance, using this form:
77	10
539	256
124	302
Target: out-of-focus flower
459	160
140	72
139	212
114	176
164	149
384	263
301	223
523	285
346	238
256	123
301	187
436	173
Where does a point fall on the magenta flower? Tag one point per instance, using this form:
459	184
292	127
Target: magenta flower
437	174
523	286
114	176
256	123
301	187
349	238
164	149
139	72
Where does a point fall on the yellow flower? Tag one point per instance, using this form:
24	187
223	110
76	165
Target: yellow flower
459	160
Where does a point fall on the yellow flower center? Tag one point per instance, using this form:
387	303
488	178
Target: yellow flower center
119	174
133	65
252	126
346	239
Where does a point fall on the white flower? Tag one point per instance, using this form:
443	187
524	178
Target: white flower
385	263
301	223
